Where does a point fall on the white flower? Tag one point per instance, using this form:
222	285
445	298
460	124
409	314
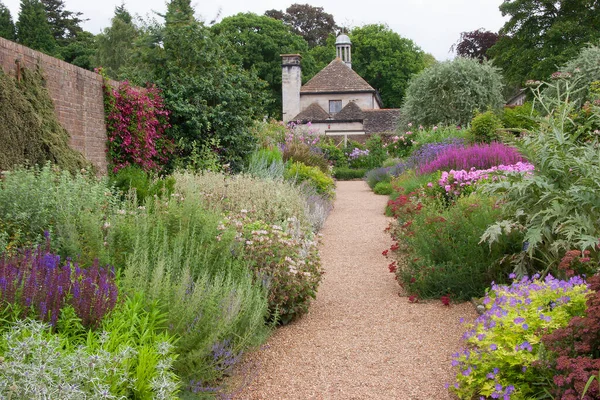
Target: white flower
249	242
244	211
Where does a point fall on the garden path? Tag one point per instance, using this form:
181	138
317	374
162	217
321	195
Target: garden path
361	339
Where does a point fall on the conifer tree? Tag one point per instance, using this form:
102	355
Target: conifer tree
7	27
64	24
33	29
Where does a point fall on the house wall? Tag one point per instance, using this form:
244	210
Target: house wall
76	94
363	100
334	128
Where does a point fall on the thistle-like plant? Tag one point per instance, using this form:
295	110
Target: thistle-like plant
559	206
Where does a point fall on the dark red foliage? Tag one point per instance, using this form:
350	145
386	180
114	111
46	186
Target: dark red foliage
475	44
577	347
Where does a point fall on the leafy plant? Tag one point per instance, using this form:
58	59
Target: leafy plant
345	174
485	127
133	177
299	172
377	151
299	152
504	354
383	188
520	117
266	164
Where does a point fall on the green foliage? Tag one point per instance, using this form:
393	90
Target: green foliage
409	182
485	127
269	133
377	151
386	60
130	358
444	250
76	210
33	29
450	91
80	51
299	172
7	26
539	35
115	44
504	352
312	23
134	178
348	174
557	206
584	69
383	188
333	153
30	130
520	117
64	24
256	42
200	281
440	134
284	260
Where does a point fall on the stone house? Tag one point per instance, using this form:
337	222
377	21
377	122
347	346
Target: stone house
336	101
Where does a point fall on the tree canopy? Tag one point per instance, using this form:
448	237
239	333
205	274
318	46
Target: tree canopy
7	26
256	43
64	24
540	35
475	44
115	44
386	60
312	23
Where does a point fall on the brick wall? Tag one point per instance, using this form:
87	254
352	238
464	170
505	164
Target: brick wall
77	97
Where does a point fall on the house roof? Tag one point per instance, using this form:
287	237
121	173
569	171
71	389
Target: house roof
336	77
313	112
381	121
350	112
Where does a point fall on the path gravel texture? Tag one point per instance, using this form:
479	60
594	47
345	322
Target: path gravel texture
361	339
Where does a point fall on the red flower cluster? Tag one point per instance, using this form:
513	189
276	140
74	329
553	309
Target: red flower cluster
392	267
445	300
574	262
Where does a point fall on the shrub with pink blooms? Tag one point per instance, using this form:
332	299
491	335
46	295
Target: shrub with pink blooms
480	156
136	120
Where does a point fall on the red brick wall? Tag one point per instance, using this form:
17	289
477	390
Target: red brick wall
77	96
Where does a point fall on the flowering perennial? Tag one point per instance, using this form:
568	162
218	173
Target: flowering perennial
502	358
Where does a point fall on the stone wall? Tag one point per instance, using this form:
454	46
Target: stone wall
76	93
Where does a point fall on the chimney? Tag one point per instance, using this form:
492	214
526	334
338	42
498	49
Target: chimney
291	81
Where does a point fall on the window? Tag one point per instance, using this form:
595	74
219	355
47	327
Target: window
335	106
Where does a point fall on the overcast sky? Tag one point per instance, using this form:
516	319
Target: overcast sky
434	25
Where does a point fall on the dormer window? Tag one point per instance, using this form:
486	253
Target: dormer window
335	106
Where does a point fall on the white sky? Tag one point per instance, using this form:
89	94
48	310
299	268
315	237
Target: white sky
434	25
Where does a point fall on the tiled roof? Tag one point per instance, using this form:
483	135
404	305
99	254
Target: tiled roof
336	77
351	112
314	112
381	121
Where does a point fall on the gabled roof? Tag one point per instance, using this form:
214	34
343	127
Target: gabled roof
351	112
314	112
336	77
381	121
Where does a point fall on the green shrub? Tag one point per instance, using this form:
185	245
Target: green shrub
297	151
377	152
504	357
346	174
520	117
284	260
409	182
334	154
269	133
299	172
384	188
449	92
485	127
444	250
391	162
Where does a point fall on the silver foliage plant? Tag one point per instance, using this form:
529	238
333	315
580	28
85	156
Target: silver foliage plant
35	366
557	207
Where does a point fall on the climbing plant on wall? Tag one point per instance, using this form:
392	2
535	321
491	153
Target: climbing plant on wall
136	120
30	132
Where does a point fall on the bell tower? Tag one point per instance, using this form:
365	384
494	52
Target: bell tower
343	47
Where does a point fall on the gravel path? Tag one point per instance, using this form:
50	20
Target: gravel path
361	339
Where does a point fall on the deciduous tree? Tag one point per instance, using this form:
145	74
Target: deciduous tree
115	43
540	35
386	60
475	44
312	23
